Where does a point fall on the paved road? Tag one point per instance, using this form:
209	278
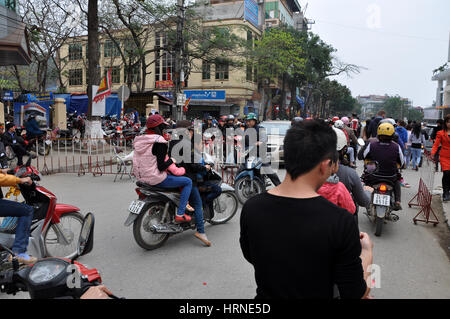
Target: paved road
413	264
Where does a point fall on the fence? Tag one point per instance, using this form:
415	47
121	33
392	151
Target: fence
100	157
424	197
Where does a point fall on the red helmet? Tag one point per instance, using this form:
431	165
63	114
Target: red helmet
223	118
155	120
334	119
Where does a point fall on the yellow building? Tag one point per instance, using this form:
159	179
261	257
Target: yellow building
214	89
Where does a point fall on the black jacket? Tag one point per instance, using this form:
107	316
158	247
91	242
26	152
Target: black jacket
192	168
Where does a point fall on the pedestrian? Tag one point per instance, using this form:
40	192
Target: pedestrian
314	244
443	140
372	130
417	140
365	130
408	147
439	126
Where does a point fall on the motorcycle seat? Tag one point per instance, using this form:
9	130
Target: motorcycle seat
157	189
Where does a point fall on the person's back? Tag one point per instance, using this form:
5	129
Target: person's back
387	155
299	243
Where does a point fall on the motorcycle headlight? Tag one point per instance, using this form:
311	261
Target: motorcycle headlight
46	270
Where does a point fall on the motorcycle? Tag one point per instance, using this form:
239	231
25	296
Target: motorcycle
54	226
53	277
153	214
382	199
249	180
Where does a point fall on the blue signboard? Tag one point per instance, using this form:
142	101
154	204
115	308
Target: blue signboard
207	96
40	97
8	96
251	12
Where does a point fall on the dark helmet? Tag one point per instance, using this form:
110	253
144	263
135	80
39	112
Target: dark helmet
230	117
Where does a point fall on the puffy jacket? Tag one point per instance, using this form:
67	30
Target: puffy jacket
145	166
32	128
336	192
174	169
8	180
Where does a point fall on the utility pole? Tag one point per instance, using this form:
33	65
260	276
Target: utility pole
94	51
177	111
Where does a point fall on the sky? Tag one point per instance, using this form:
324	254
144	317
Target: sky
399	42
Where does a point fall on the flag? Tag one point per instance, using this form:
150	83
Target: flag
185	107
169	78
104	89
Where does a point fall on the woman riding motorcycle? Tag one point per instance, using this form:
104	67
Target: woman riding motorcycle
389	156
150	163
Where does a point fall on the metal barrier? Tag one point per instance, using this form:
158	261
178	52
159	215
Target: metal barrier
101	157
423	198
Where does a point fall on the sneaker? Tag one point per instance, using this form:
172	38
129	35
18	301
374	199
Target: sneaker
203	238
397	207
183	218
24	259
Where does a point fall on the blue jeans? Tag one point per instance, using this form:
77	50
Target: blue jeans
196	201
179	181
407	156
215	192
25	216
416	155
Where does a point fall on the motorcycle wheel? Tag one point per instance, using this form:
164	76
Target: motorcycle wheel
43	148
225	207
141	227
378	226
244	190
70	224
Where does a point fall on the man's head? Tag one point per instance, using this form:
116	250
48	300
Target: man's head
252	120
381	113
310	148
10	127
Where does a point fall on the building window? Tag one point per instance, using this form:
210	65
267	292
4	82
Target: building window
222	71
87	76
135	74
115	74
75	52
206	70
157	56
167	66
76	77
249	71
110	49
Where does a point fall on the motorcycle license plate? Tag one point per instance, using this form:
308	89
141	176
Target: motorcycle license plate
136	207
382	200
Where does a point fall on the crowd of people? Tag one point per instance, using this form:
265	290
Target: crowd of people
315	203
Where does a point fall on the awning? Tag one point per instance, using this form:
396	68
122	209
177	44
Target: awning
206	104
14	44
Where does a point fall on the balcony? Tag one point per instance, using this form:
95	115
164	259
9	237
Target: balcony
9	4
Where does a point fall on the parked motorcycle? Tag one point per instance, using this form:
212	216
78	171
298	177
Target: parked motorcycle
153	214
53	277
382	200
54	228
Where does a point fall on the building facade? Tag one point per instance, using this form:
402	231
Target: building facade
443	89
214	89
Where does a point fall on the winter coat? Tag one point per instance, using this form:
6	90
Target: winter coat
145	166
336	192
443	140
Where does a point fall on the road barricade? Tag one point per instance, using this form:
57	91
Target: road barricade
423	198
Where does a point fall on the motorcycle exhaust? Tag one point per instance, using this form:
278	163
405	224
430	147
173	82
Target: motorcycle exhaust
166	229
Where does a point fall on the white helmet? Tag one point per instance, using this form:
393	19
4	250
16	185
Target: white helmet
341	139
339	124
389	120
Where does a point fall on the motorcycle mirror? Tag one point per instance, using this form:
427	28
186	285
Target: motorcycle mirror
86	239
361	142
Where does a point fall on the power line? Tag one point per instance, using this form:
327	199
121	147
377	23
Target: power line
381	32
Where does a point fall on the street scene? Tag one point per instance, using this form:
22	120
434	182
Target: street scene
227	149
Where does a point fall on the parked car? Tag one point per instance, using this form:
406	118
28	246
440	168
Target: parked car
276	131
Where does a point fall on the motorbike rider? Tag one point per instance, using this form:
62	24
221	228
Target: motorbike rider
195	172
261	141
3	158
348	176
32	127
150	164
208	123
16	142
24	213
389	155
339	124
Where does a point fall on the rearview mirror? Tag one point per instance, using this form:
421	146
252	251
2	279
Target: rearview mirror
361	142
86	240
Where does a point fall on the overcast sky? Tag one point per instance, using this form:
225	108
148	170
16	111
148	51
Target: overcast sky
400	42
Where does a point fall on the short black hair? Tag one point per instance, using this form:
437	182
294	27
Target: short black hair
307	144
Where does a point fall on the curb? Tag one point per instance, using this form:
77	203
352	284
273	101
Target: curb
445	210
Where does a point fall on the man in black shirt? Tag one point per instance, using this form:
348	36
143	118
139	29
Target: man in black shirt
300	244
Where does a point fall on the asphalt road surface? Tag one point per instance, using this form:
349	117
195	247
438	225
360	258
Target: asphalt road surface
413	264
